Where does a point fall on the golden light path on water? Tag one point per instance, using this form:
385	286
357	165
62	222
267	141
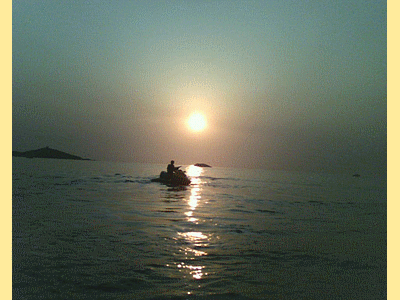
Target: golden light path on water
194	172
193	239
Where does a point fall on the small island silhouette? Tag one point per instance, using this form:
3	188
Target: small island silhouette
203	165
47	152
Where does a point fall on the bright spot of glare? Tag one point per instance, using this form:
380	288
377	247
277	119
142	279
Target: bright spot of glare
195	252
197	122
194	198
194	171
195	271
196	238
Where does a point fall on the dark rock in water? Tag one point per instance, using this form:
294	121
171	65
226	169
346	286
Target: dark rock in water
356	175
47	153
202	165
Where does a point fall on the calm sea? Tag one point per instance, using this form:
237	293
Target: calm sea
99	230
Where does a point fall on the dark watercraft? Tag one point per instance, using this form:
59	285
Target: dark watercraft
179	178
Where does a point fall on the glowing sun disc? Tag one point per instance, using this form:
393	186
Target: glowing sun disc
197	122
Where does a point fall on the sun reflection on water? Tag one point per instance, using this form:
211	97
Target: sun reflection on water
195	194
194	198
194	171
195	239
194	242
195	271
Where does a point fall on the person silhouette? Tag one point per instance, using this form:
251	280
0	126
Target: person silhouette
171	169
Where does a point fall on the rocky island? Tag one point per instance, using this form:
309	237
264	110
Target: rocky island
203	165
46	153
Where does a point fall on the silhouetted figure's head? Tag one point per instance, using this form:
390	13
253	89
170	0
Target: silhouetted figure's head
172	162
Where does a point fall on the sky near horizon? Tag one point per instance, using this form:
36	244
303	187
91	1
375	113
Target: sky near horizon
294	85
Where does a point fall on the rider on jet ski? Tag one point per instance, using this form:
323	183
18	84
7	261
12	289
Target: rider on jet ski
171	169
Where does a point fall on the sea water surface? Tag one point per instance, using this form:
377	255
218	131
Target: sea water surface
101	230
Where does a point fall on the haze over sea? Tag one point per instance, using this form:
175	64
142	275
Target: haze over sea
102	230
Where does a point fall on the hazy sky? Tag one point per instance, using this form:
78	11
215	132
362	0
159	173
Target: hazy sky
296	85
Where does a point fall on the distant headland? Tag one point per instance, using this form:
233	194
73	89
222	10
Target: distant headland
202	165
47	152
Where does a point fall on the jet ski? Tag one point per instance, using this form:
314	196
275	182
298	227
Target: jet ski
178	178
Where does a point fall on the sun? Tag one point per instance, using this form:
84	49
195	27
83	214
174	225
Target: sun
197	122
